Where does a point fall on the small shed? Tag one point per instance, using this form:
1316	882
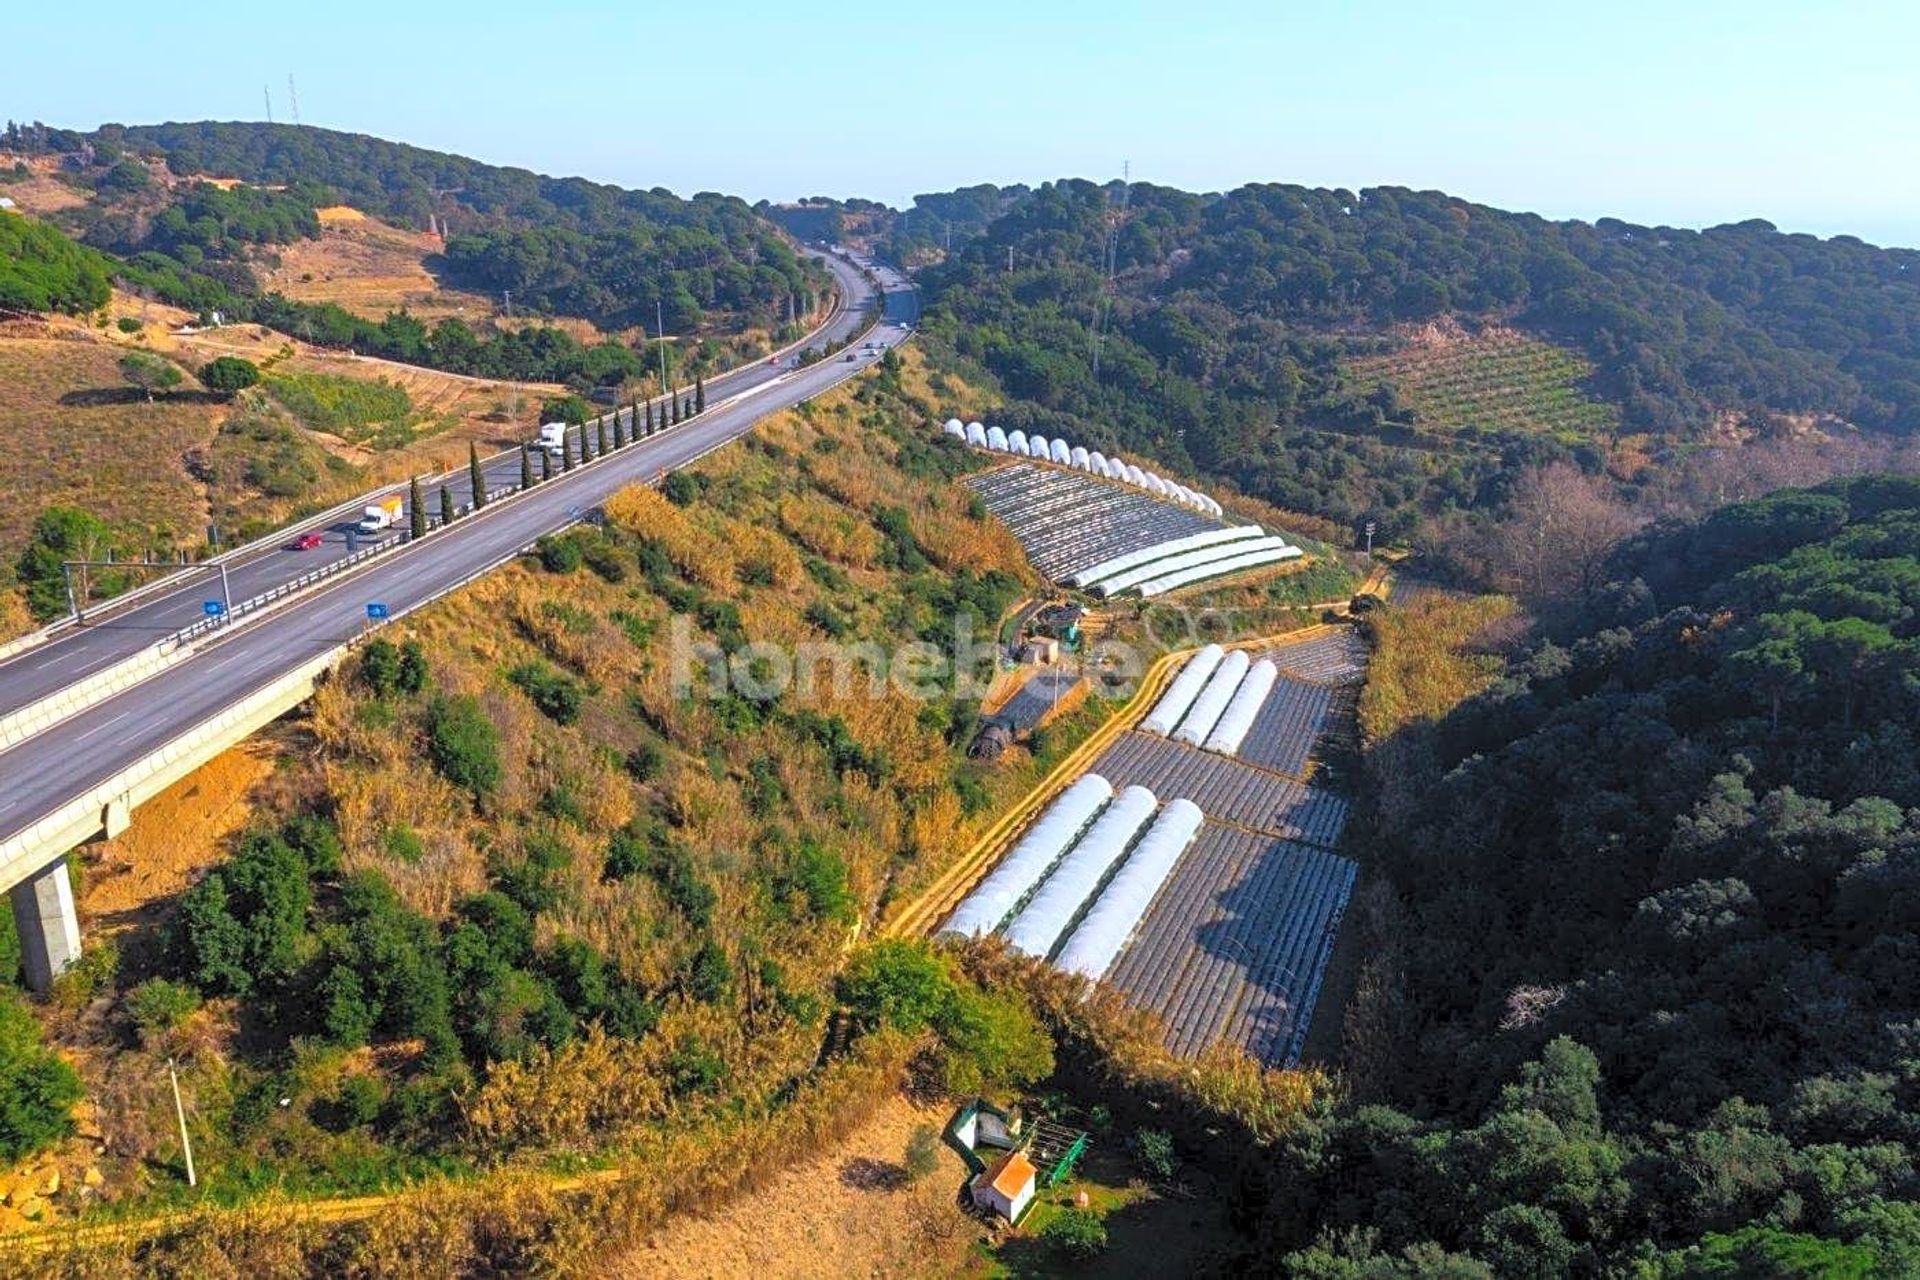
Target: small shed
1006	1186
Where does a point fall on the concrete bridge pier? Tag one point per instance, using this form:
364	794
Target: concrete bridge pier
49	925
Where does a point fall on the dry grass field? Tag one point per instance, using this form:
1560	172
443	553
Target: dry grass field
76	435
369	267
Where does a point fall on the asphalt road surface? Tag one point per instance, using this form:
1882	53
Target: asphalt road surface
121	632
39	775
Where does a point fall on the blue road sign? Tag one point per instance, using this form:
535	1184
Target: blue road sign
376	610
212	608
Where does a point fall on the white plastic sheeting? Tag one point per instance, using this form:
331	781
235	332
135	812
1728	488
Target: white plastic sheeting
1135	476
956	428
1039	849
996	439
1082	460
1117	912
1160	551
1097	463
1161	568
976	435
1062	451
1017	441
1182	691
1039	446
1036	929
1234	722
1213	699
1218	568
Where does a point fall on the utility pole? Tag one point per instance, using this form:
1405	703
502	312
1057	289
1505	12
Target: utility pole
1009	259
1370	527
508	293
180	1114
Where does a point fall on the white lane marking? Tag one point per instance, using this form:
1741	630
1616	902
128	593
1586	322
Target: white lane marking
107	725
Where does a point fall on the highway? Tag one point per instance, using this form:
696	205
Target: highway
40	774
116	632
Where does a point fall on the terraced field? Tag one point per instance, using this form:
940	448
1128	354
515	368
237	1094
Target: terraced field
1496	380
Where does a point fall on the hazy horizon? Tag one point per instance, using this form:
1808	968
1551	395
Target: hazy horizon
1689	118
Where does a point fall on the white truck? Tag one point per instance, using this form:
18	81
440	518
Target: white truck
553	437
384	514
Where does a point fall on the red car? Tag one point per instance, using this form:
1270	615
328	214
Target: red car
306	542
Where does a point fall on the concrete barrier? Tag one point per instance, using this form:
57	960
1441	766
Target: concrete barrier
17	726
105	805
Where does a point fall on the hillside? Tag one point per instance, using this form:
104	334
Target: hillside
461	266
1262	336
521	776
1641	982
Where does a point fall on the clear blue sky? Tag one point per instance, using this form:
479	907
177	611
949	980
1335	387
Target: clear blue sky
1684	113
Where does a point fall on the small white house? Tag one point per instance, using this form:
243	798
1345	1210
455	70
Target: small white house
1007	1185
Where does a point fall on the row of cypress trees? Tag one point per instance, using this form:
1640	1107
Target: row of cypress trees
607	435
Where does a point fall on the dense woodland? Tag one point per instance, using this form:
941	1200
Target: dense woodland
1656	926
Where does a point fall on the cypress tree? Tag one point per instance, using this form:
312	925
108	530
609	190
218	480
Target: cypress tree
446	506
416	509
649	417
619	431
601	431
566	451
686	407
477	476
526	468
673	405
546	465
699	394
586	444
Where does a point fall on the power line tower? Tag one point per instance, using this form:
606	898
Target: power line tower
293	98
1109	256
267	93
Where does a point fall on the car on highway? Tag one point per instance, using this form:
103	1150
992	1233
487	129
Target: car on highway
307	541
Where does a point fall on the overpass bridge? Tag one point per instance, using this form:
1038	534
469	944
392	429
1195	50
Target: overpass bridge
100	721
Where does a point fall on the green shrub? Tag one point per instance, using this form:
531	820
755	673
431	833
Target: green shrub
37	1089
680	489
463	744
1077	1235
226	375
558	695
1153	1148
157	1006
127	324
558	553
241	927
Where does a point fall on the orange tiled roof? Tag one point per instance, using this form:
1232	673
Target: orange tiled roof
1010	1173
